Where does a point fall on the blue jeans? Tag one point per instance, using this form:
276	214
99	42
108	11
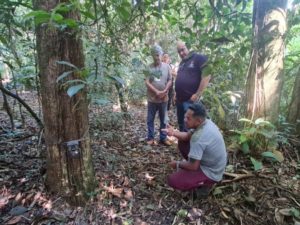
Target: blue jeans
162	112
182	107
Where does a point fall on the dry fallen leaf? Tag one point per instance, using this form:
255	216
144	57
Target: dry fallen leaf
128	194
114	191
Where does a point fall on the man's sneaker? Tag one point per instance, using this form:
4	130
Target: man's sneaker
166	142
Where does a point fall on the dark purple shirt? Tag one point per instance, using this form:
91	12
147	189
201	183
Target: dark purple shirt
189	76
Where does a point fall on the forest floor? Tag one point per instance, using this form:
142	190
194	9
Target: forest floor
131	178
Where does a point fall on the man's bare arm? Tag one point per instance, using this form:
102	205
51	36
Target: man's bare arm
191	165
182	136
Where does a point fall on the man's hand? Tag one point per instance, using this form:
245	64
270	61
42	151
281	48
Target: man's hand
194	97
161	94
169	130
173	164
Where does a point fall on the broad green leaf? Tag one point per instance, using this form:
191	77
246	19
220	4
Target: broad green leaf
270	155
182	213
261	121
117	79
39	16
57	17
84	73
70	23
243	138
295	212
36	14
62	8
124	10
221	112
67	64
63	75
74	89
257	164
245	148
275	155
245	120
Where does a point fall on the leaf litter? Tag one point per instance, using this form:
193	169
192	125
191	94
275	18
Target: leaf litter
131	180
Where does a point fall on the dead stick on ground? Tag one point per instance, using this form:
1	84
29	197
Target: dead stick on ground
237	177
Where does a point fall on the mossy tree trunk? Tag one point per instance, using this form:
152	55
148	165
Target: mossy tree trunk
69	162
265	75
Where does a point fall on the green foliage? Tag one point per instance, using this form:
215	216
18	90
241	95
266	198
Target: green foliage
259	138
56	17
256	164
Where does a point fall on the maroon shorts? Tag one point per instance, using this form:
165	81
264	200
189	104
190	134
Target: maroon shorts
185	180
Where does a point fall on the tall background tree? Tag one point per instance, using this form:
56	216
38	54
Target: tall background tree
59	47
265	74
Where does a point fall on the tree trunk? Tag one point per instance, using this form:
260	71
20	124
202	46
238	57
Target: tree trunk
69	161
265	75
294	109
7	107
122	98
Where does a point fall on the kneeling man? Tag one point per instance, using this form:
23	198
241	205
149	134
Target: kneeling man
207	157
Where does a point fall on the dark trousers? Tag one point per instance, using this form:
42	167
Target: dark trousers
162	112
185	180
182	107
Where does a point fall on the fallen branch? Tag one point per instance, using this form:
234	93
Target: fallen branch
236	177
33	114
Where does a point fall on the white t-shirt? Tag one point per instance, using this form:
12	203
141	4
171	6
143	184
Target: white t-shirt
207	145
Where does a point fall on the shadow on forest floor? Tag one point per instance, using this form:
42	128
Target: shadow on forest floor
131	181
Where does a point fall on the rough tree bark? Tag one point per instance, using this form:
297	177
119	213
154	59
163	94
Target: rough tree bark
265	74
294	109
69	162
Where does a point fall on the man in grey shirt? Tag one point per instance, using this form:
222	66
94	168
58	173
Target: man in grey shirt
158	85
207	157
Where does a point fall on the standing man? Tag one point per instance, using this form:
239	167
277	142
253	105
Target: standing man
188	87
158	84
207	155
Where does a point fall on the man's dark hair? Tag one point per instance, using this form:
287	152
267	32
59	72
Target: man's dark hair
199	110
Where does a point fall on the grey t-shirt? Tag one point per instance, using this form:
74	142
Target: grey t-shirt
159	83
207	145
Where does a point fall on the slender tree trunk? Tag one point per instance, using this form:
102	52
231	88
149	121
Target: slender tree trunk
7	107
122	98
69	161
265	75
294	109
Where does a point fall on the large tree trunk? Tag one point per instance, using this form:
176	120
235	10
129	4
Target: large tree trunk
69	161
294	109
265	75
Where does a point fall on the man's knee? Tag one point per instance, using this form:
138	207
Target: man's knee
176	181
